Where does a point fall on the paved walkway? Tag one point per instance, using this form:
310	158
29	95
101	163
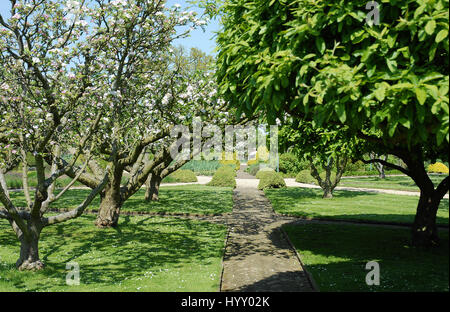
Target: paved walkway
258	257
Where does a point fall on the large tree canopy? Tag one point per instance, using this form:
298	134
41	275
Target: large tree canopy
322	62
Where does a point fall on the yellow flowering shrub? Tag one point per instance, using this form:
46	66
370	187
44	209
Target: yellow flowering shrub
438	168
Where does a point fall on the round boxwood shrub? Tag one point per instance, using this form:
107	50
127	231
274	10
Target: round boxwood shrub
271	179
224	176
253	169
305	176
181	176
263	171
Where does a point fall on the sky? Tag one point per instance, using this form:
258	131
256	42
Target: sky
201	39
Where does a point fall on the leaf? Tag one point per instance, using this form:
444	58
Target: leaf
392	129
380	93
405	123
340	110
421	95
320	44
430	27
392	65
441	35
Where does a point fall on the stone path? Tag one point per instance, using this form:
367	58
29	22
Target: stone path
258	256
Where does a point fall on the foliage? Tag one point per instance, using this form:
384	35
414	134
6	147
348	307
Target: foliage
323	61
438	168
290	163
270	179
181	176
305	176
224	176
263	171
253	169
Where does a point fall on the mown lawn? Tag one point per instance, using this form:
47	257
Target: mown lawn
192	199
392	183
348	205
142	254
336	256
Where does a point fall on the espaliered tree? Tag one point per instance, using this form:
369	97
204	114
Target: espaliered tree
41	102
323	62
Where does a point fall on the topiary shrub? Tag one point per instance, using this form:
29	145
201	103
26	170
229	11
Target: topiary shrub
270	179
253	169
263	171
224	176
437	168
181	176
305	176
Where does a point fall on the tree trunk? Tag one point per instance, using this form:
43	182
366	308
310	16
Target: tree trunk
29	248
152	192
327	192
424	231
109	211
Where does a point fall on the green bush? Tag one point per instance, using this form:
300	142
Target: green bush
252	169
290	163
264	171
224	176
181	176
305	176
270	179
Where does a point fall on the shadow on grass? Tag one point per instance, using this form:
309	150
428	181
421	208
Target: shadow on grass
351	206
110	256
336	256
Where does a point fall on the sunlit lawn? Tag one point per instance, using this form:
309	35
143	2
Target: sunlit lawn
142	254
336	256
348	205
192	199
401	183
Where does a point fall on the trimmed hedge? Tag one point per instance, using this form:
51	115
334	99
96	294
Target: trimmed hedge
270	179
305	176
224	176
181	176
264	171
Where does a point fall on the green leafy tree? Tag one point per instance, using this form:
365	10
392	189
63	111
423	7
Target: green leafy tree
321	61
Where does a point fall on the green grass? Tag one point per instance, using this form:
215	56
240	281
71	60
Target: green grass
193	199
14	180
336	256
142	254
392	183
349	205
